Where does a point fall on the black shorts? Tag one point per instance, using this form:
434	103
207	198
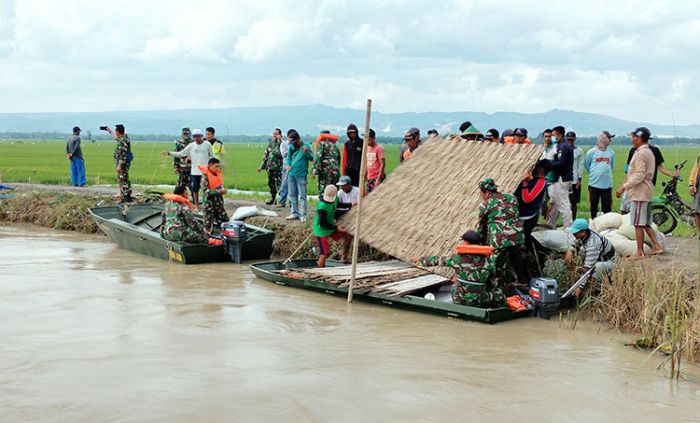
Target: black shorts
195	183
575	194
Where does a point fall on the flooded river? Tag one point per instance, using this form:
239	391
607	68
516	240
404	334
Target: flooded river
90	332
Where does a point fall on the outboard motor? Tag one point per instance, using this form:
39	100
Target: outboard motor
234	234
545	296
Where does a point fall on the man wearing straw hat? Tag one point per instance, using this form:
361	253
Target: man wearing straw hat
325	227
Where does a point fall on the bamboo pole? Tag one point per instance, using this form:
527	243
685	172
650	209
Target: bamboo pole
363	167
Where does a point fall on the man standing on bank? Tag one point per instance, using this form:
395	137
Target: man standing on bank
122	160
640	190
562	175
75	155
352	155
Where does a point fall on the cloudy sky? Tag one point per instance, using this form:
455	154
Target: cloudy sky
636	60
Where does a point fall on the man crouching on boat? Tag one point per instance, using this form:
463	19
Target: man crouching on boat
179	224
324	225
473	267
213	186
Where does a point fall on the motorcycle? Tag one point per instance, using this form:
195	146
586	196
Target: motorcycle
668	208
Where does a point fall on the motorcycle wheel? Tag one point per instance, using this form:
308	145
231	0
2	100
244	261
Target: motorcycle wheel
664	219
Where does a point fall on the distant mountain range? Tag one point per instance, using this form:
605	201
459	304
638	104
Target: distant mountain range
314	118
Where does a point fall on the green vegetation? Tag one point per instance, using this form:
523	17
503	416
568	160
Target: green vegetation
45	162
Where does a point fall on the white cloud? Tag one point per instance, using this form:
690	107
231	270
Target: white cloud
633	59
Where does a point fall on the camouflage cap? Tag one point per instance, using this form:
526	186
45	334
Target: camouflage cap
186	130
488	184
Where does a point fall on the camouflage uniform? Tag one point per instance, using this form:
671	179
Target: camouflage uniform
122	149
272	163
214	211
182	165
499	224
180	225
472	286
327	164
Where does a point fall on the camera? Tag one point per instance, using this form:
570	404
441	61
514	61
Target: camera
104	128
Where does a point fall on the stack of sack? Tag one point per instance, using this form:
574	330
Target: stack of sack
620	232
613	226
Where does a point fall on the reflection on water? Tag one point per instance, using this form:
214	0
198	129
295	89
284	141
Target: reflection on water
94	333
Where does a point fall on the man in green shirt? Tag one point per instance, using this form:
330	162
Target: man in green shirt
325	227
297	165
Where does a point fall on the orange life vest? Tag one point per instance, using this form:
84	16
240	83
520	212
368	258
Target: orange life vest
516	303
325	137
484	250
215	181
178	199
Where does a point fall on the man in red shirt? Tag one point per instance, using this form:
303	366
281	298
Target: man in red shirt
376	162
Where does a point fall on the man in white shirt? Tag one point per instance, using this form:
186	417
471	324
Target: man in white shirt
284	149
347	194
199	152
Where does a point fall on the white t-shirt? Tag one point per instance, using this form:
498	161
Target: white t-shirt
349	197
199	155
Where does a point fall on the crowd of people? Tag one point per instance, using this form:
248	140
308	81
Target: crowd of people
551	190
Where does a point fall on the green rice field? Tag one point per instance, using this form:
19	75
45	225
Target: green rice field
45	162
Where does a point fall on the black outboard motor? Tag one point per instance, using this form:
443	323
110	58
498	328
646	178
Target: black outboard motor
234	234
545	296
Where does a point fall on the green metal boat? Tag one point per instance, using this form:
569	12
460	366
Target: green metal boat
136	228
272	272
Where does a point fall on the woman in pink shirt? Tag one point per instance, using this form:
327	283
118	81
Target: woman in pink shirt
376	162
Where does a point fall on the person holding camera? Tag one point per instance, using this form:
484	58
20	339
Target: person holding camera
122	159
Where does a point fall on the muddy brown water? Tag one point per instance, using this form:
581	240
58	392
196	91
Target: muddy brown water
90	332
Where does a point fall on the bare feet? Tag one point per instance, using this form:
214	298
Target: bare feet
657	251
637	257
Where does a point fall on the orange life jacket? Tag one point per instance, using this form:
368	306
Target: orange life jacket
516	303
215	181
484	250
178	199
325	137
407	154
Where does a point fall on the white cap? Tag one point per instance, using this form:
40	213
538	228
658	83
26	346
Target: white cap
329	193
197	132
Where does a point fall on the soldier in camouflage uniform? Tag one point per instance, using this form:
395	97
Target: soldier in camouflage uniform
472	282
183	165
178	221
500	227
272	163
122	159
214	211
326	163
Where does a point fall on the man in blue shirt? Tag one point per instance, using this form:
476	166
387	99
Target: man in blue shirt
562	175
599	163
297	165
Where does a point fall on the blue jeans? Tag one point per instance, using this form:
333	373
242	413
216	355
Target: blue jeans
297	194
77	171
284	187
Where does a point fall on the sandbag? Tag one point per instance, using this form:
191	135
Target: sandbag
627	230
623	246
245	212
607	221
556	240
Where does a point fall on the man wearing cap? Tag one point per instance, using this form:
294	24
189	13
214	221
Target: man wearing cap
352	155
492	135
473	267
411	141
182	165
272	163
376	163
599	253
575	195
325	227
122	160
75	156
508	136
199	153
563	175
500	227
599	163
348	196
640	190
521	136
